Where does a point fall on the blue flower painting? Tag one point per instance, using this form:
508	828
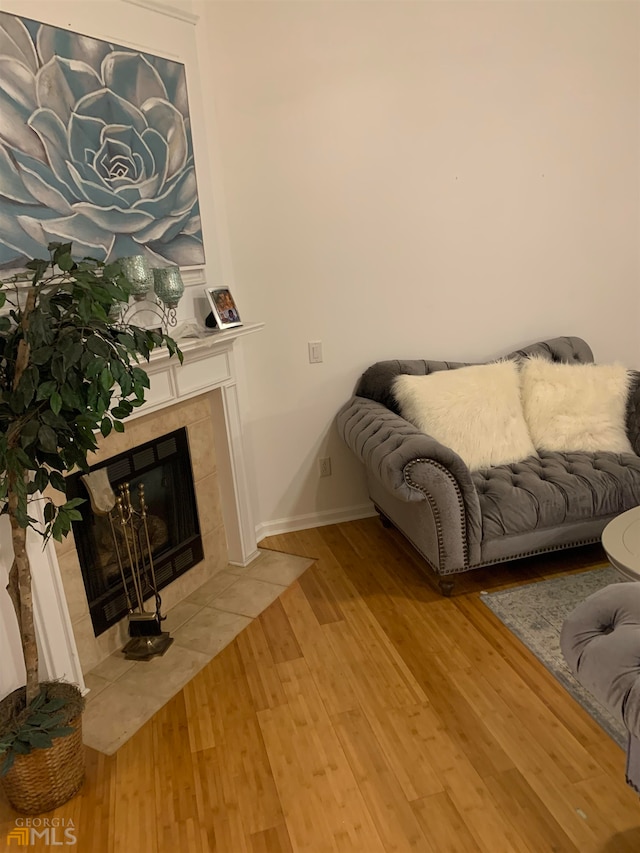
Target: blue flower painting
95	148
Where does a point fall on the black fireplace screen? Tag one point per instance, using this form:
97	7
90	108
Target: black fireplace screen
164	467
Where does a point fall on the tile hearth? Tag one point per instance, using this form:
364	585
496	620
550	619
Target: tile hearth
125	694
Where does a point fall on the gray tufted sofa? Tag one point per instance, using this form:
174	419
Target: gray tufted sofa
460	520
600	641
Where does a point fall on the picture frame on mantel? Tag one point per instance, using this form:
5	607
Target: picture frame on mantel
223	307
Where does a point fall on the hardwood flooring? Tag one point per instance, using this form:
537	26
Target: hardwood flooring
364	712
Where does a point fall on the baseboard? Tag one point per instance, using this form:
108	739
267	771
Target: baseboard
313	519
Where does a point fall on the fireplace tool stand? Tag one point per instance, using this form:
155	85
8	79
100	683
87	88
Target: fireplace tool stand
135	561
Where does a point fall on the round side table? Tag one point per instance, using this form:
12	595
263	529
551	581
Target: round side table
621	541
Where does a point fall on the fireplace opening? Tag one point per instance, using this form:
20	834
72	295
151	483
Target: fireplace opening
163	466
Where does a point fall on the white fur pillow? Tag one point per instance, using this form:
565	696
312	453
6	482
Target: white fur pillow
474	410
572	407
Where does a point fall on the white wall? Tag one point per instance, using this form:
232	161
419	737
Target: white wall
440	180
398	179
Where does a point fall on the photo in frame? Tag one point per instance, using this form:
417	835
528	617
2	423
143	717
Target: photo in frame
223	307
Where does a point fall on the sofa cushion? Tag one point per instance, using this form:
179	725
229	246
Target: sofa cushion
573	407
555	488
476	411
377	381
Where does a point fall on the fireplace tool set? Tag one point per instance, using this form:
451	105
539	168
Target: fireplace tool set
132	549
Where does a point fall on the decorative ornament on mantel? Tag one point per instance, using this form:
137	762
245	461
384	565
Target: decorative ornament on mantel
166	284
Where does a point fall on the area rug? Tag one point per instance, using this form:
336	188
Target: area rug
535	613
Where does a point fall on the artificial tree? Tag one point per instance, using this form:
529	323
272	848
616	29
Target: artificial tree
68	370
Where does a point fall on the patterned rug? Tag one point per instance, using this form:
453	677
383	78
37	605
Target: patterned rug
535	613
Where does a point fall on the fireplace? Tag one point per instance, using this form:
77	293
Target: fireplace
163	467
202	395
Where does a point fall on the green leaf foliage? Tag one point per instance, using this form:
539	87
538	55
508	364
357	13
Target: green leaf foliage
35	727
82	377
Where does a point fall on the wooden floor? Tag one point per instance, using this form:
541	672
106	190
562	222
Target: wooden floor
364	712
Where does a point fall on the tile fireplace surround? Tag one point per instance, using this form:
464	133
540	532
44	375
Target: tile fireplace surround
195	415
195	395
201	395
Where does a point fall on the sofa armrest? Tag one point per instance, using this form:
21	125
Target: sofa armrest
633	412
407	462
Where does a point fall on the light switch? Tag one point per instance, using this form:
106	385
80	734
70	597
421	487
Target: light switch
315	352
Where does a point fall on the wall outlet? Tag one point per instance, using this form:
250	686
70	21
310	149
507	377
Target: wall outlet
324	464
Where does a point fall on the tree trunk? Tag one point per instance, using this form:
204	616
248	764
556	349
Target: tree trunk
19	589
13	588
19	586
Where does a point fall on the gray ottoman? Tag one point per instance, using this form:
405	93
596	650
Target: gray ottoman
600	641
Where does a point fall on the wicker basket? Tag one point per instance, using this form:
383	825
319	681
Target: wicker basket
47	778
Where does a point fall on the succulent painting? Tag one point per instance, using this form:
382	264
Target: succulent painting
95	148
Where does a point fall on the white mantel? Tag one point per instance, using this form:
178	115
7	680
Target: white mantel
209	365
